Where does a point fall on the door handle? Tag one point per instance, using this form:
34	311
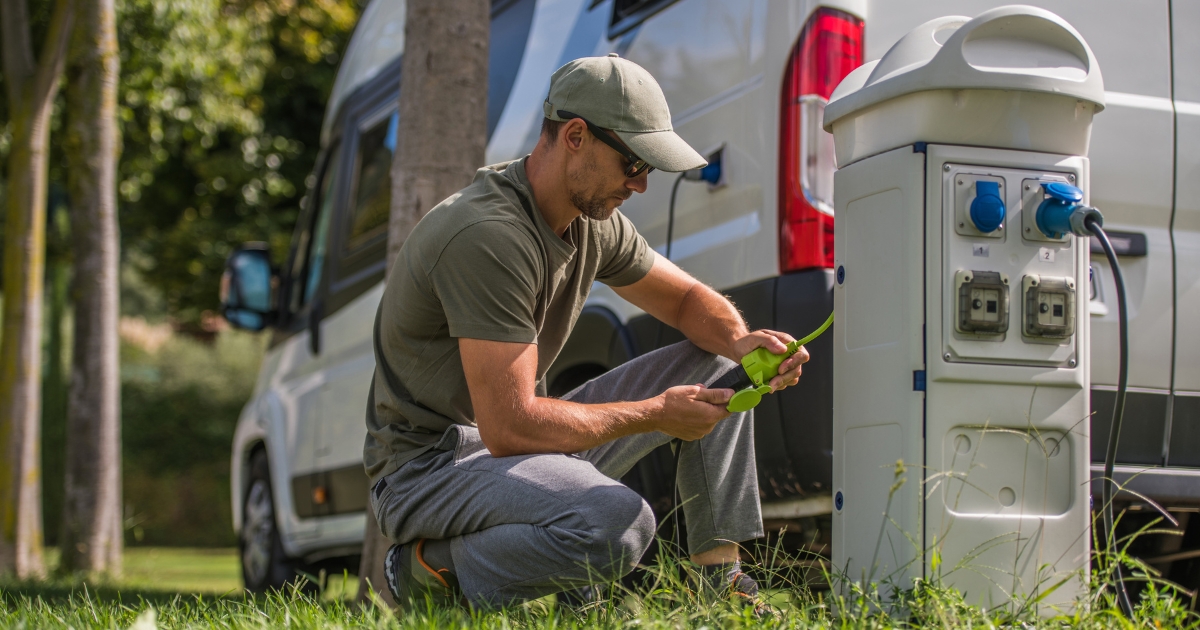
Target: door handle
314	326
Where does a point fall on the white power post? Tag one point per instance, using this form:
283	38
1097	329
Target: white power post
961	360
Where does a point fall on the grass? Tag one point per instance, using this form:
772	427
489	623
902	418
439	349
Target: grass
209	571
214	571
188	588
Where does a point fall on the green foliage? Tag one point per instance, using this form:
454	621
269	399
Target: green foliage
55	375
180	405
221	108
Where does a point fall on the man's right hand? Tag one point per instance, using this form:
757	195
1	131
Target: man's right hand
689	412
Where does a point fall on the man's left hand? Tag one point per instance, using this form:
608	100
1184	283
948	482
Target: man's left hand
776	343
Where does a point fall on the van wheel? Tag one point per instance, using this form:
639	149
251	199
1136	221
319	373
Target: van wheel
573	377
265	567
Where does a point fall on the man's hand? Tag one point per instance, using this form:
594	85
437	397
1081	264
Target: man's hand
689	412
775	343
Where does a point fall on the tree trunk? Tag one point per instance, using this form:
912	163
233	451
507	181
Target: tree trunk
370	568
91	527
31	90
440	144
443	108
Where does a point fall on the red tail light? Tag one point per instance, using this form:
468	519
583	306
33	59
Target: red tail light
830	46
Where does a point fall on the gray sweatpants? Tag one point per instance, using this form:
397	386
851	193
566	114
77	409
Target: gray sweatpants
526	526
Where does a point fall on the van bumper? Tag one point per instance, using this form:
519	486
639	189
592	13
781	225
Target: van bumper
1169	487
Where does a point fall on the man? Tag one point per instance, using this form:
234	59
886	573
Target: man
500	494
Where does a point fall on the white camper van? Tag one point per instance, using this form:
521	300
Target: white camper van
747	81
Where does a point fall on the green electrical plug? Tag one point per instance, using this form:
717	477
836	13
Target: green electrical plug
751	380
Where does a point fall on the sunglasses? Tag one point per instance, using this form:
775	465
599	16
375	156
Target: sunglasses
637	165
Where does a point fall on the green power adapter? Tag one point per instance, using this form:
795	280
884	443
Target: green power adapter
751	380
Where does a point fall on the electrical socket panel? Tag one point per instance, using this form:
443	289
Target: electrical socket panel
969	257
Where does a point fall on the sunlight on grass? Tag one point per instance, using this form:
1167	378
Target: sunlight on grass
665	598
175	569
183	570
200	588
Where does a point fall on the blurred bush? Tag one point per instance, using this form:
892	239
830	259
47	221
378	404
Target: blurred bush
180	404
181	397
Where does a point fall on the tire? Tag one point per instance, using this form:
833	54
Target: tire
573	377
265	566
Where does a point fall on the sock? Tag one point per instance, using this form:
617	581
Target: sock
437	555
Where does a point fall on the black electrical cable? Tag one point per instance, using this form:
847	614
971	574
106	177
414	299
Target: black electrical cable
671	213
670	234
1114	432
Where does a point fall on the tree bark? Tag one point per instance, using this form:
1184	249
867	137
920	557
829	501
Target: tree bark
370	569
91	537
443	108
441	140
32	86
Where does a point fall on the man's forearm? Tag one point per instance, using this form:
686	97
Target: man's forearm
705	317
550	425
709	320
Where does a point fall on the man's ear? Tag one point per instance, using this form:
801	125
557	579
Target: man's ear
571	134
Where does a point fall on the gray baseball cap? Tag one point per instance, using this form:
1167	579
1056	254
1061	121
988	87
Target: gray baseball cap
617	94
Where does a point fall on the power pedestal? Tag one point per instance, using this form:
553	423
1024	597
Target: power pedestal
961	361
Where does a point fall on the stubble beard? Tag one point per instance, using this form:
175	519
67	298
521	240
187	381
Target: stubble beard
593	204
595	208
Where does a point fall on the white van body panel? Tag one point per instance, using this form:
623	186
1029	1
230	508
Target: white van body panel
709	57
283	422
1187	201
282	416
378	39
521	122
347	337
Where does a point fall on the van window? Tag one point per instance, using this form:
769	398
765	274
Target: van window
373	182
312	235
629	13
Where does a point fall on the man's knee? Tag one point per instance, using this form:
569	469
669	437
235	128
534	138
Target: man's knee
623	527
384	515
705	366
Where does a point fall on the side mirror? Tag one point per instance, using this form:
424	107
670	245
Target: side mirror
246	288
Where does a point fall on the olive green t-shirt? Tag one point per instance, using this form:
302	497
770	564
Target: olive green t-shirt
483	264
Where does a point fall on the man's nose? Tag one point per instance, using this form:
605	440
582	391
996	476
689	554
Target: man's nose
638	184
